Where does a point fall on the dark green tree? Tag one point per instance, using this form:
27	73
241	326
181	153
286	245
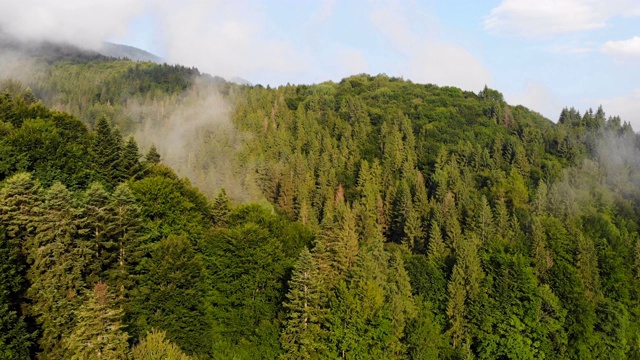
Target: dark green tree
98	332
153	156
170	294
302	336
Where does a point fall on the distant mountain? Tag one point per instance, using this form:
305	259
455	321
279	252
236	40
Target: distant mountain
129	52
48	51
240	81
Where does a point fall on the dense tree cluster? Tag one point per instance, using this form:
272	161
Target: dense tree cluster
400	221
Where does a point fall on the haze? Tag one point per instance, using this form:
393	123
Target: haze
539	53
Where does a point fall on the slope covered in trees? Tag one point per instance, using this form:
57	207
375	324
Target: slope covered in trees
399	220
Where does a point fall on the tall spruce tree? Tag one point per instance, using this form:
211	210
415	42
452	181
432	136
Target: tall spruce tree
60	258
170	295
106	150
155	346
302	336
15	338
98	331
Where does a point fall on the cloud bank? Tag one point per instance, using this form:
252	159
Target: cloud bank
626	106
82	22
540	18
430	60
623	49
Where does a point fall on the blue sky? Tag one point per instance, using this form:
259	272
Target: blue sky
544	54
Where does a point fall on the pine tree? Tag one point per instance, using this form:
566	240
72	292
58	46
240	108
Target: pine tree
540	202
413	230
452	228
541	255
98	331
587	265
483	220
302	334
155	346
57	271
19	208
637	262
501	217
399	300
437	251
15	339
457	307
359	324
130	165
337	246
170	295
221	209
106	151
125	235
464	287
153	156
98	227
424	334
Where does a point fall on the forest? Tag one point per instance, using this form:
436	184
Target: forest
371	218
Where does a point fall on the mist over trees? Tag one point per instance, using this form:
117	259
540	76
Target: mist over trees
370	218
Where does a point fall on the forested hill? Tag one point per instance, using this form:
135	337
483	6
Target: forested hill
397	220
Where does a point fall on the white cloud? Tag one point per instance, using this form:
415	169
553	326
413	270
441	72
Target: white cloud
82	22
623	49
626	106
429	59
533	18
352	61
226	39
219	37
540	98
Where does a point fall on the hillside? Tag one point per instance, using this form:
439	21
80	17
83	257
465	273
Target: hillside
129	52
370	218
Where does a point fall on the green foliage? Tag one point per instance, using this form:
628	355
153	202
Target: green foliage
170	294
440	223
155	346
302	336
15	339
248	265
98	333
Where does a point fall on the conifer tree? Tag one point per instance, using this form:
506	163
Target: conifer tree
155	346
302	334
57	271
130	160
483	220
637	263
359	322
221	208
98	225
125	232
20	205
541	255
19	209
98	331
540	202
437	250
153	156
170	295
106	151
424	334
501	217
337	246
413	230
587	264
15	339
400	301
464	287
